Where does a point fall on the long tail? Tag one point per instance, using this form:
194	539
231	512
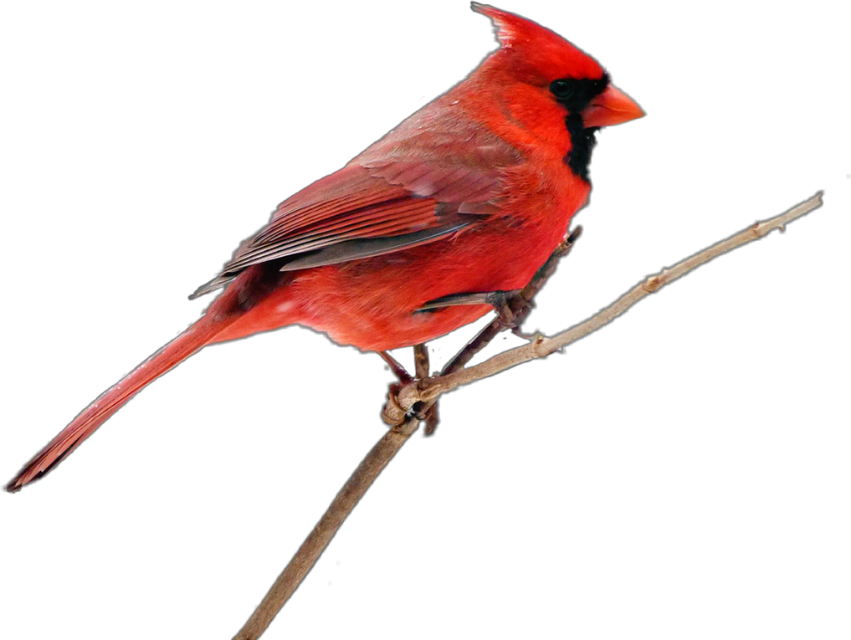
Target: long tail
187	343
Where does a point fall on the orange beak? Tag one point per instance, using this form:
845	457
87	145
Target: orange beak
611	107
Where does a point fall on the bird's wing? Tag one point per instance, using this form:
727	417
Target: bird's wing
379	203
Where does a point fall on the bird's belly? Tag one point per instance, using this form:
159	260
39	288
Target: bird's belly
374	303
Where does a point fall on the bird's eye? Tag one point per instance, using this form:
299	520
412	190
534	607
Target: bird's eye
562	89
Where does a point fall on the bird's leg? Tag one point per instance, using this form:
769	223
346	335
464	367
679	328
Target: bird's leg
400	372
396	367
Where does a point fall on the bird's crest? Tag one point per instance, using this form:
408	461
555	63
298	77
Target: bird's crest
539	50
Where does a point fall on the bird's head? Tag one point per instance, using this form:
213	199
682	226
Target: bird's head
539	57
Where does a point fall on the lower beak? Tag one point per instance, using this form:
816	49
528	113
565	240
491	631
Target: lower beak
611	107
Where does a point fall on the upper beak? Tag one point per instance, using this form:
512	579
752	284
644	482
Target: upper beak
611	107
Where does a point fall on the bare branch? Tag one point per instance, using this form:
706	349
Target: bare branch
430	388
426	390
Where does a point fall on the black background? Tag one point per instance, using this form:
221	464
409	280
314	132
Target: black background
675	471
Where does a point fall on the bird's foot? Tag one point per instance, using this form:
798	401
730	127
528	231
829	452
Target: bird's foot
418	411
508	305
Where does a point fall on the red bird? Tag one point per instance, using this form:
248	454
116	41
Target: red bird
470	195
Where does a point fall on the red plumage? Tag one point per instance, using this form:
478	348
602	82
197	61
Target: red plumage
471	194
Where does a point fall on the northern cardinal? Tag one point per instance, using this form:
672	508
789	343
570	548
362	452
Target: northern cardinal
468	196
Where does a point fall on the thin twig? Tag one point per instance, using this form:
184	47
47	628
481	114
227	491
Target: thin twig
427	390
540	347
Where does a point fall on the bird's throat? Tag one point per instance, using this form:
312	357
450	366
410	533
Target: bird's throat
582	141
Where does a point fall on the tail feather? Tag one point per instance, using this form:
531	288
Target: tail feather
186	344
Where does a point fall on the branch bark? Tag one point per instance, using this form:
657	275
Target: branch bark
427	390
